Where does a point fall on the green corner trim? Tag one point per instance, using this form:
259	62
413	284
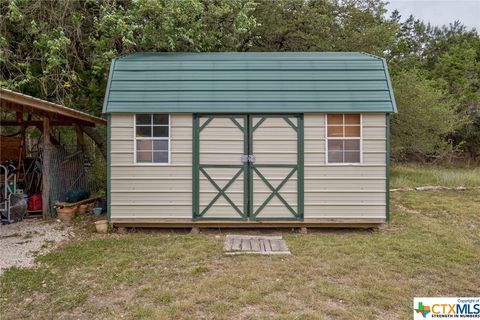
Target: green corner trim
390	87
387	145
109	84
109	167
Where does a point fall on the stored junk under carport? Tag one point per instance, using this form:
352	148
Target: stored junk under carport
248	139
56	167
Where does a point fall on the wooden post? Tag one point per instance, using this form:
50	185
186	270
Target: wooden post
47	149
23	152
80	138
195	230
97	138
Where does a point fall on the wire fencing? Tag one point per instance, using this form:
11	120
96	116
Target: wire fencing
69	169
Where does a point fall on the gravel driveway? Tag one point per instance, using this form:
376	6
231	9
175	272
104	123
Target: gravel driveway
21	242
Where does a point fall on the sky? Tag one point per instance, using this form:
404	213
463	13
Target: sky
440	12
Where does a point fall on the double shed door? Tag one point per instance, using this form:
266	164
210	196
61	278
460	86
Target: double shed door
248	167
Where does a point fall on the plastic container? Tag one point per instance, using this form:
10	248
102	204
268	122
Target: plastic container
97	211
35	202
25	199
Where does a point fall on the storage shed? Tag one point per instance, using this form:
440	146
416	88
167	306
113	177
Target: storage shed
248	139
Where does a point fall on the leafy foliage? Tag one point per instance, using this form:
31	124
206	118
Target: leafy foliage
61	50
450	58
297	25
424	121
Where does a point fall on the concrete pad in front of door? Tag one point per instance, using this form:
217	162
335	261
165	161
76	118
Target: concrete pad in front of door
239	244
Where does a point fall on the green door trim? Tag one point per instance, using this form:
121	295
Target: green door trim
221	192
294	127
195	169
258	123
247	169
198	168
296	168
274	193
205	123
300	167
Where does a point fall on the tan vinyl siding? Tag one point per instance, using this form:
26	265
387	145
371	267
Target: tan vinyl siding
146	172
318	159
342	172
151	191
329	210
345	191
124	158
165	191
151	211
274	142
360	184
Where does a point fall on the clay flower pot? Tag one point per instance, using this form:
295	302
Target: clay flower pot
66	214
82	209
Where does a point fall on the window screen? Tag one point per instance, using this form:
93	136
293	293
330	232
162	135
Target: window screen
343	138
152	138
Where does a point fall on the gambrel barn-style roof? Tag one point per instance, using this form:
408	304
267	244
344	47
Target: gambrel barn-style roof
250	82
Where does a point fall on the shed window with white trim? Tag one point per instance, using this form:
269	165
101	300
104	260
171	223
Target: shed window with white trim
152	138
344	135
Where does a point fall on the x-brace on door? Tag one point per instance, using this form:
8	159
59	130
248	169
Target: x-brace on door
248	167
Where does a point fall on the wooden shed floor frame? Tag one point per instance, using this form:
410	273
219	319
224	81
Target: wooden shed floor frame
189	223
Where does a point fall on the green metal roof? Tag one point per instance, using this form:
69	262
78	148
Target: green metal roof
249	82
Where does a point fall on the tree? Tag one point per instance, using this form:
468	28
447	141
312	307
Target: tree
61	50
458	72
407	51
426	118
449	56
322	25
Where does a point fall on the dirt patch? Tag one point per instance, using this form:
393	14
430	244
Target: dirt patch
21	242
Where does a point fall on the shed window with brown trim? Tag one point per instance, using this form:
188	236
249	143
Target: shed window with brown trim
152	138
344	138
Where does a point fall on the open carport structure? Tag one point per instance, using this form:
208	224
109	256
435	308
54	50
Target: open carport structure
26	111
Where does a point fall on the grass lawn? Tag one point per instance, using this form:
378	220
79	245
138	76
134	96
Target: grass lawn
431	248
409	176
